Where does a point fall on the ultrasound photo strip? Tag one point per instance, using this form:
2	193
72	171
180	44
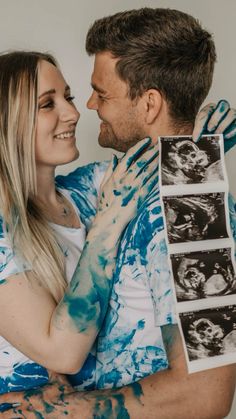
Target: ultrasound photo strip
194	197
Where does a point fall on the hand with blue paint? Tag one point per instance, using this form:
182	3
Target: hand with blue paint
217	119
126	185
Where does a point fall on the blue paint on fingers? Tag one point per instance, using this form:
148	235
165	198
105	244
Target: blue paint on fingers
8	406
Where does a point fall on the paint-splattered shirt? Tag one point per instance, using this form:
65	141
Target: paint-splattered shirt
18	372
130	346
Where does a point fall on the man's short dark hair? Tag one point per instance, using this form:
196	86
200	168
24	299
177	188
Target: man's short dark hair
162	49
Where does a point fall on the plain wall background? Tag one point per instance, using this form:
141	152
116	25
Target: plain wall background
60	27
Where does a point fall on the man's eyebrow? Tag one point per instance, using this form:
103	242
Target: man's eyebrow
98	89
53	91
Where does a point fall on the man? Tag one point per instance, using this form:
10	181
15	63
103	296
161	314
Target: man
141	89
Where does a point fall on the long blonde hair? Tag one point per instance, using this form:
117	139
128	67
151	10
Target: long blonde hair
30	234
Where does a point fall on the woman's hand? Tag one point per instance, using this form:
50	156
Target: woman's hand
217	119
126	185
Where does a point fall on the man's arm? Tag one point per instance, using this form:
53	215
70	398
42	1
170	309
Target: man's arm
168	394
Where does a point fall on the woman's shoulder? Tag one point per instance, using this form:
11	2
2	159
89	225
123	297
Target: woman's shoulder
82	176
83	179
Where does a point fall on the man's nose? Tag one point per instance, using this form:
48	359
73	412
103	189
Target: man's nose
92	102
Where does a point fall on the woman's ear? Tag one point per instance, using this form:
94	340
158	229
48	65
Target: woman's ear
153	103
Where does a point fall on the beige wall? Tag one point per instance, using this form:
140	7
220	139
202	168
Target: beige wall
60	26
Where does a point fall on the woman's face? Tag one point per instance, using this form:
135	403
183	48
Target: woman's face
56	120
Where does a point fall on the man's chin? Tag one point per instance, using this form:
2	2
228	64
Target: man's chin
104	142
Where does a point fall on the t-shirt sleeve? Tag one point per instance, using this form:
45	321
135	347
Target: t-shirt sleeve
10	263
159	281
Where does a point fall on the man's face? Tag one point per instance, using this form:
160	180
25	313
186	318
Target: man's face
121	118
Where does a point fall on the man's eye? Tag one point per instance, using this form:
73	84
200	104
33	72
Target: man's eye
70	98
102	98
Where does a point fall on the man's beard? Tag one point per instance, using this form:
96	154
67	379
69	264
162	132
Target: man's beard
108	139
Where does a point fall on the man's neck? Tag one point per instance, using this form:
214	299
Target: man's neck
170	130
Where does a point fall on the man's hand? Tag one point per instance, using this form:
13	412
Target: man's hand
217	119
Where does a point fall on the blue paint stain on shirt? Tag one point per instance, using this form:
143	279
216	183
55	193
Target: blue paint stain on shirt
87	374
24	377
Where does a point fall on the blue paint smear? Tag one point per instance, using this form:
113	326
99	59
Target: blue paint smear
24	377
105	410
7	406
116	193
222	106
137	390
85	375
128	198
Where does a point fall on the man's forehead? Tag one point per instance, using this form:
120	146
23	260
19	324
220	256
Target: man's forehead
104	71
104	78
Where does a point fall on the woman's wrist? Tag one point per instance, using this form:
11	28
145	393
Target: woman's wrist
105	229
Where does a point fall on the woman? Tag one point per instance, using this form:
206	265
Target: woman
45	325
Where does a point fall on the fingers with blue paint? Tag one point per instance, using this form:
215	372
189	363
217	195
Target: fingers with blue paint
143	164
112	166
219	119
227	126
129	183
227	123
218	116
114	161
201	121
8	406
134	153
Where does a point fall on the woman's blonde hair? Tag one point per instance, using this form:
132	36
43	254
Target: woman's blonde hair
30	234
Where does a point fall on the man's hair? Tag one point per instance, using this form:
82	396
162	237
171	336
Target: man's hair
162	49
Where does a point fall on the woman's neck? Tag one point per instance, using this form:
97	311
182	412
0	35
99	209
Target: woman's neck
46	191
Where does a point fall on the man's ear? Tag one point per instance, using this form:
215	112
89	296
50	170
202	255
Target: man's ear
153	102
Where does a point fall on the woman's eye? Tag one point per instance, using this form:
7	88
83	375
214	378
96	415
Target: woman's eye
49	104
